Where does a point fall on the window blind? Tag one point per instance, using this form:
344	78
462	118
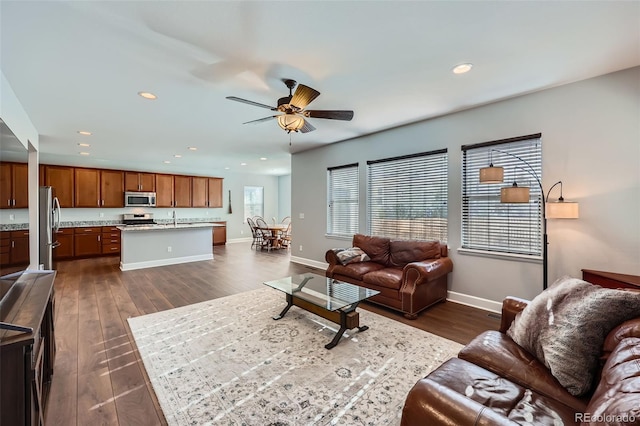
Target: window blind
343	200
488	224
407	196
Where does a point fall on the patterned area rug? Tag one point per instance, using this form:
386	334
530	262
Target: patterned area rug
227	362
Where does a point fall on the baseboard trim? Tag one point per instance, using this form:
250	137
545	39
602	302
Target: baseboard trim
474	302
309	262
163	262
239	240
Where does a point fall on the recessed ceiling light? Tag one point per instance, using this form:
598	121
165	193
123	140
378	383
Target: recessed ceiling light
263	158
193	148
167	162
243	164
227	168
148	95
84	133
83	153
462	68
84	144
178	156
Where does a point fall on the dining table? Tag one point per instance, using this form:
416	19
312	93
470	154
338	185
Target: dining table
275	229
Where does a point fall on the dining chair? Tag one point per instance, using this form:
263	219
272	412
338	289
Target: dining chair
285	238
286	220
257	236
268	239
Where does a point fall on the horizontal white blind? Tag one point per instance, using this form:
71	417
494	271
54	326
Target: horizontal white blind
407	196
488	224
343	197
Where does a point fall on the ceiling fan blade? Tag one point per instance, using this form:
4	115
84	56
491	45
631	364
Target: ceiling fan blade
260	120
303	96
245	101
307	127
331	114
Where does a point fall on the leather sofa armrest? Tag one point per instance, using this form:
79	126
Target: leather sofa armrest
331	258
511	306
427	270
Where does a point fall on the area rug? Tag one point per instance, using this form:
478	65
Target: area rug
227	362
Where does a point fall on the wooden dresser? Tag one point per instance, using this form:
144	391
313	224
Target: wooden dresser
26	359
611	279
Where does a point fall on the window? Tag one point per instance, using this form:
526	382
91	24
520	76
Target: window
488	224
253	201
408	196
343	198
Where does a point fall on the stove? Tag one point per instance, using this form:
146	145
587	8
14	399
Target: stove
136	219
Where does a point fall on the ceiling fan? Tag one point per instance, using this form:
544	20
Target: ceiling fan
293	109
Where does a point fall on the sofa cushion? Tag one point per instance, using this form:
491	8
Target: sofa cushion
565	327
351	255
356	270
390	277
376	247
615	400
406	251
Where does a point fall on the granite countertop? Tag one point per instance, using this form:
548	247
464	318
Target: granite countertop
88	223
161	226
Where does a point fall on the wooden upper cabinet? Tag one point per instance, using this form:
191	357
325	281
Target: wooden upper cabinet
164	190
14	185
144	182
182	191
111	188
87	191
61	178
199	192
215	192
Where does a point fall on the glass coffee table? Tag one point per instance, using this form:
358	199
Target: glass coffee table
330	299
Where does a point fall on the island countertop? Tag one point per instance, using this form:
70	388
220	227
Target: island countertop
163	226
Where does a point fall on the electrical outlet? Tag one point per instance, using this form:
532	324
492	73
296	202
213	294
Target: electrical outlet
169	214
301	215
300	248
101	214
169	249
241	231
12	217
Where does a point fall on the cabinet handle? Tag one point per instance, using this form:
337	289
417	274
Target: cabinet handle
8	202
98	237
13	244
14	202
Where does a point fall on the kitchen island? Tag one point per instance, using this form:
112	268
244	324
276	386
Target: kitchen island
148	246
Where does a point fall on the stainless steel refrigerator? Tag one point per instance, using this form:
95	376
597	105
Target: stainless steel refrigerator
49	224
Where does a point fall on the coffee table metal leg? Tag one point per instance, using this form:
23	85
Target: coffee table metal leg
286	308
343	327
336	338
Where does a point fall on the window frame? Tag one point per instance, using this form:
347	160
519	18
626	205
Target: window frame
250	212
345	178
421	199
492	228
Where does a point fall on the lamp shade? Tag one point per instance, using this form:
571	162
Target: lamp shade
491	174
514	194
562	210
290	122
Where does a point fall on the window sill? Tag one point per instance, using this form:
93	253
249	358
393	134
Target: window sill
339	237
501	256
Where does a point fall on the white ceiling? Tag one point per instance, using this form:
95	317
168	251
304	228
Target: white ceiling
78	65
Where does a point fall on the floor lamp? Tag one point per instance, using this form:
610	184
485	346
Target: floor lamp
559	209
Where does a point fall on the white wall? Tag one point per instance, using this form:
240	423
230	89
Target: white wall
284	196
591	141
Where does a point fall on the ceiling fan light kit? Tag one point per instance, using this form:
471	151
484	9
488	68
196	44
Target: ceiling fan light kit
293	110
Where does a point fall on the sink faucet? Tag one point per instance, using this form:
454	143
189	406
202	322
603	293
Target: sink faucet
175	219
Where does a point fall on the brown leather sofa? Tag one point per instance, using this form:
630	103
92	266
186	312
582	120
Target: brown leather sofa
496	382
410	275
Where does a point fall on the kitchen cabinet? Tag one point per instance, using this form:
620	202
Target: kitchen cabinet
215	192
136	181
61	178
98	188
14	185
87	241
164	190
206	192
199	191
64	236
19	247
220	234
111	188
110	240
182	191
5	247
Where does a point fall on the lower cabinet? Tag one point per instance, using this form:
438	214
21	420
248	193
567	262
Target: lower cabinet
87	241
110	240
220	234
14	248
64	250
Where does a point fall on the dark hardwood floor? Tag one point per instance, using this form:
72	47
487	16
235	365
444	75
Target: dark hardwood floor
98	376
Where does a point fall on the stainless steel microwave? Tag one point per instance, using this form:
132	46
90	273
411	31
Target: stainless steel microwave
140	199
